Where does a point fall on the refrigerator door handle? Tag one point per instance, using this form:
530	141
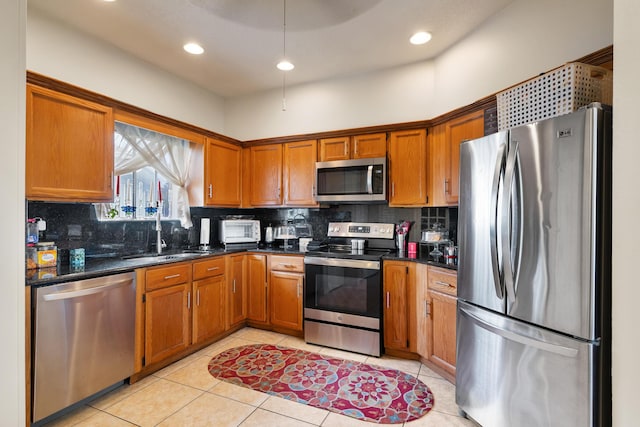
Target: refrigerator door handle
525	340
493	232
505	231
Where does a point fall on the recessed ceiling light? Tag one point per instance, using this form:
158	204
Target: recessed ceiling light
108	1
285	65
420	38
193	48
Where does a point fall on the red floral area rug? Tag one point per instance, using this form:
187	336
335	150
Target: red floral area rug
359	390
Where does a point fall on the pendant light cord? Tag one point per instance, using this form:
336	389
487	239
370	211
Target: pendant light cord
284	52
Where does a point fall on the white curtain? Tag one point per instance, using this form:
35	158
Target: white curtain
168	155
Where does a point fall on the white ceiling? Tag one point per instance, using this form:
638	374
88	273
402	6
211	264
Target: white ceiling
243	39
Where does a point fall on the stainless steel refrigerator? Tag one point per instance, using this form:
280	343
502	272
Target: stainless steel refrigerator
534	274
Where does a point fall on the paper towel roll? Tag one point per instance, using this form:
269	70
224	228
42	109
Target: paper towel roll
204	231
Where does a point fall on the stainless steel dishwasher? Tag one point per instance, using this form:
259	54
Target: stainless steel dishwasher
83	340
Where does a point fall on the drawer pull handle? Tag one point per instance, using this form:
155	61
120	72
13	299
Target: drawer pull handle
213	268
287	265
171	276
449	285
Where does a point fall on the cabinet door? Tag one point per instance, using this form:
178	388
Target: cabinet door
408	168
422	311
299	173
333	149
458	130
437	161
372	145
237	294
208	308
69	148
167	319
222	171
257	288
286	299
266	175
442	351
396	305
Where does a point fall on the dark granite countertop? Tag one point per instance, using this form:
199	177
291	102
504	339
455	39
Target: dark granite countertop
106	266
422	259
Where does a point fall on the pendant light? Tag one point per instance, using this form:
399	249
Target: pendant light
284	65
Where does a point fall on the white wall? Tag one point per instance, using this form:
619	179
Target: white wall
626	205
12	123
64	54
521	41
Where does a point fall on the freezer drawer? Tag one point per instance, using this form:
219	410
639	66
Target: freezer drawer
512	374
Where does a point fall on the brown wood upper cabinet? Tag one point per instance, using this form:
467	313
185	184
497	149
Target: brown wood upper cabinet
223	165
298	174
69	148
265	169
444	155
281	174
408	168
352	147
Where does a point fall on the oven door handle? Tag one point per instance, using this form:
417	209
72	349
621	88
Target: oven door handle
342	262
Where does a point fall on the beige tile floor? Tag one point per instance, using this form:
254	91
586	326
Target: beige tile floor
185	394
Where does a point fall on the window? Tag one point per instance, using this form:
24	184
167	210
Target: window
151	170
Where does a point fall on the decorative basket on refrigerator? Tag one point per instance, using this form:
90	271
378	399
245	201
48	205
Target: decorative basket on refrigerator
557	92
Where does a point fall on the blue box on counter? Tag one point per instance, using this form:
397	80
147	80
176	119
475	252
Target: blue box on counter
76	257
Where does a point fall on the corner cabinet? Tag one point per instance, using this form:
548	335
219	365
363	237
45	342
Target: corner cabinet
257	289
223	166
63	133
286	279
399	294
236	289
408	168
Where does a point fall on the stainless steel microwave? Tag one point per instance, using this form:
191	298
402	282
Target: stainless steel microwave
350	181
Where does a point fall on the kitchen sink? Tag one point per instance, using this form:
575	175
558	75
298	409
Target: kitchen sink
160	257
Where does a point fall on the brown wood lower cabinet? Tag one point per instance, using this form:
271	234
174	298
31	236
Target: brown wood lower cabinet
257	288
237	293
441	323
167	322
286	280
398	307
209	288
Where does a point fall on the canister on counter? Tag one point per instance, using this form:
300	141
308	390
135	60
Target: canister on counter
47	255
31	257
413	249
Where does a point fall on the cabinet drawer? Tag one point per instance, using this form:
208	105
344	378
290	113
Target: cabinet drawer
287	263
167	276
208	268
442	280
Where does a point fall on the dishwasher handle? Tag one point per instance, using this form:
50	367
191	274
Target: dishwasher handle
84	292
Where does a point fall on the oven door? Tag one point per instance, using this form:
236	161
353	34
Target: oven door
343	291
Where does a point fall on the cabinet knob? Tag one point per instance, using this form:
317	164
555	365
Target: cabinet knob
211	191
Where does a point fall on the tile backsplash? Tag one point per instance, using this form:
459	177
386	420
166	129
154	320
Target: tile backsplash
75	225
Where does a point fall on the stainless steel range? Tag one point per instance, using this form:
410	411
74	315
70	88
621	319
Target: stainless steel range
343	287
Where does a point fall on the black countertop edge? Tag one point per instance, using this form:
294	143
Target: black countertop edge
421	259
106	266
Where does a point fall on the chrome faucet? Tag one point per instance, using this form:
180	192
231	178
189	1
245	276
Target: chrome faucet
159	242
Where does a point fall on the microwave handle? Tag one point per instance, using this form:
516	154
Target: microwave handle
370	179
